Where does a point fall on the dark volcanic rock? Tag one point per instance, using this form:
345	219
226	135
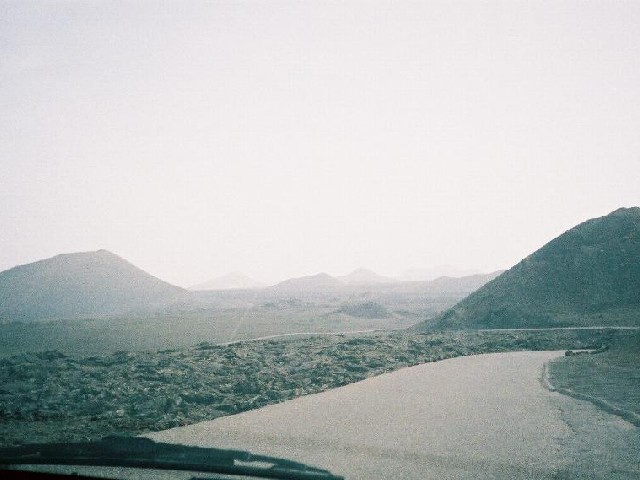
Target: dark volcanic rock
365	310
50	397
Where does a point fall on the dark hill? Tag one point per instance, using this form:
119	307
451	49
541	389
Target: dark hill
588	276
79	285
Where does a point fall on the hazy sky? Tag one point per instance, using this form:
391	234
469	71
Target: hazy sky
286	138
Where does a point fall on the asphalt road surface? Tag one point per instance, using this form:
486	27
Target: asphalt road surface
484	416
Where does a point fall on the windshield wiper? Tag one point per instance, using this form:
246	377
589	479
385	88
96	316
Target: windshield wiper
138	452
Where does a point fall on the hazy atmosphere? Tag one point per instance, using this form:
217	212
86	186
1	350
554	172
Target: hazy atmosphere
282	139
367	239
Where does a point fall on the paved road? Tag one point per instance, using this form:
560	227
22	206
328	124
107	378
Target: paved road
485	416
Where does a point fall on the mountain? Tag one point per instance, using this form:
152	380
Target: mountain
320	281
588	276
230	281
469	283
449	287
362	276
79	285
428	274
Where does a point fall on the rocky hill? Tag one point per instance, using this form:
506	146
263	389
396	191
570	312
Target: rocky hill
588	276
79	285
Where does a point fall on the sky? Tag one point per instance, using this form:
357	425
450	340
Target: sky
287	138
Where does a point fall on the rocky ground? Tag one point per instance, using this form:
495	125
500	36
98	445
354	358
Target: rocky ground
610	379
52	397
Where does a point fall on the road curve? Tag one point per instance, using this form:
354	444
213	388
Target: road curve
484	416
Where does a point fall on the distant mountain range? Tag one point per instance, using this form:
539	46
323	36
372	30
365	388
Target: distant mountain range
428	274
453	285
236	281
79	285
99	284
231	281
365	279
588	276
309	283
363	276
